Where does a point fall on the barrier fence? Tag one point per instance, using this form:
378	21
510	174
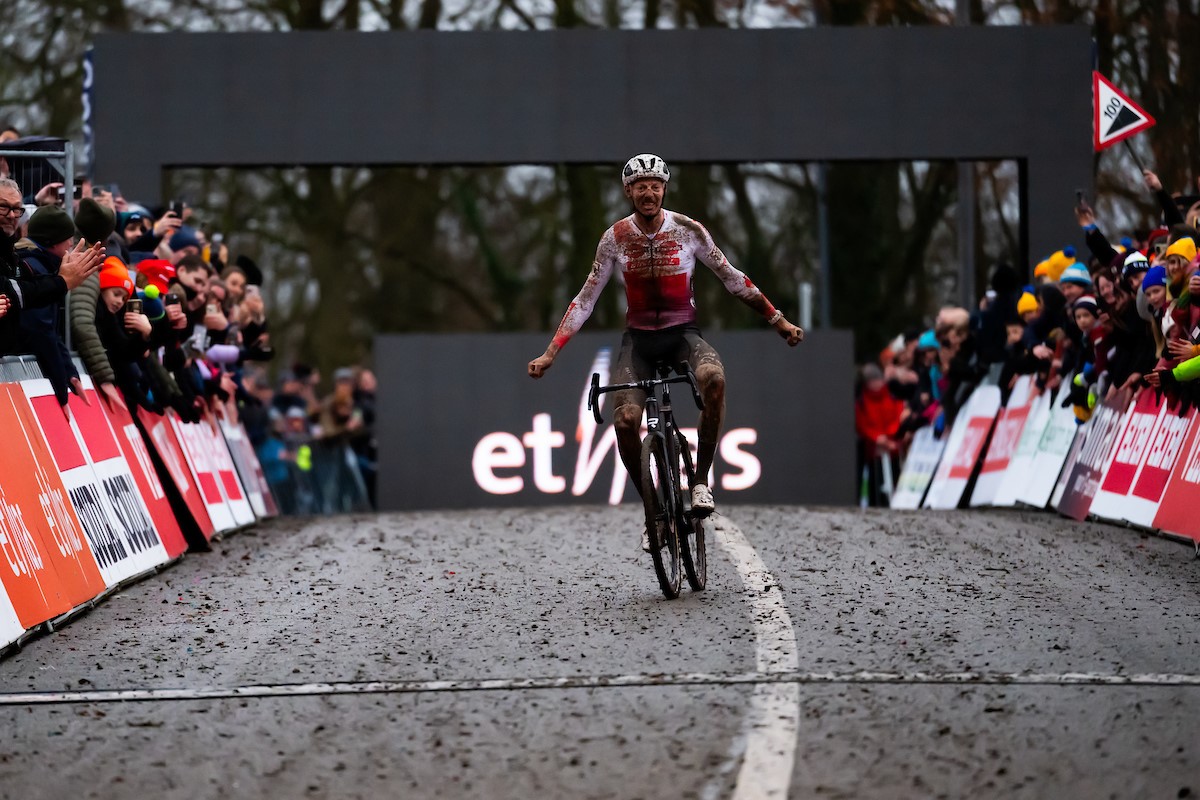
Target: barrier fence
93	496
1135	461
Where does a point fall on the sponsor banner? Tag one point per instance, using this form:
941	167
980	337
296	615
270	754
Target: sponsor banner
1166	446
964	448
193	440
248	468
98	482
1010	424
46	565
1060	486
161	435
137	456
1177	513
951	439
1095	455
1126	459
919	467
227	476
1019	466
1052	450
535	443
10	627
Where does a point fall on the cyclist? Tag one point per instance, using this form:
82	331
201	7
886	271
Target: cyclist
654	253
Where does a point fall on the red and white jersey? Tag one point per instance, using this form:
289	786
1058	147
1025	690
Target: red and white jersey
657	271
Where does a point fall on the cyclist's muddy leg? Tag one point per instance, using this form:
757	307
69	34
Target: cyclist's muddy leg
627	408
627	419
710	374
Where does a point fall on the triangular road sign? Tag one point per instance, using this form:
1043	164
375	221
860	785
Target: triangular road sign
1116	117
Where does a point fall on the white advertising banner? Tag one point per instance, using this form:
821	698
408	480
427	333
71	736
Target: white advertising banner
1052	450
1017	475
1010	424
919	467
964	448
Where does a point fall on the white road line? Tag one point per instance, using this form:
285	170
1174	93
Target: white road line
766	744
603	682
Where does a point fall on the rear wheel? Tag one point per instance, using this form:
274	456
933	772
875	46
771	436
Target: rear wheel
662	516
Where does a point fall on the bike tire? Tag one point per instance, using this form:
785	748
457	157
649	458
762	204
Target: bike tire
695	553
662	524
691	531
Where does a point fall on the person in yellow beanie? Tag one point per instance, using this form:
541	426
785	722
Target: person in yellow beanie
1053	267
1027	307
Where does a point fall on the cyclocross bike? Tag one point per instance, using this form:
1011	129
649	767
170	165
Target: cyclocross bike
676	535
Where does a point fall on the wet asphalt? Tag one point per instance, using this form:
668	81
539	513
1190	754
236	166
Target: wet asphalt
566	593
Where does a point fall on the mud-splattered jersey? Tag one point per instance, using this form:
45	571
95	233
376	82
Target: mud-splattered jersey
657	271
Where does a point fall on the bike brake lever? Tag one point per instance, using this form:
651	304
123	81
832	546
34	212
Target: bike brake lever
594	398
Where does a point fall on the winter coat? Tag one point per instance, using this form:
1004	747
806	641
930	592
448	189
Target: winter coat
84	301
41	329
24	289
876	413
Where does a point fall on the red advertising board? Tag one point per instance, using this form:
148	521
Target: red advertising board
1100	437
1133	442
161	434
118	528
193	438
46	565
1178	511
140	466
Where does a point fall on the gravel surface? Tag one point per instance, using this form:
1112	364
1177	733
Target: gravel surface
567	594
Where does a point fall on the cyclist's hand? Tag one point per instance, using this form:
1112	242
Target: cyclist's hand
793	333
538	367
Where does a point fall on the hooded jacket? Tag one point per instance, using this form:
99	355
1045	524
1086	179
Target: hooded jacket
24	289
41	329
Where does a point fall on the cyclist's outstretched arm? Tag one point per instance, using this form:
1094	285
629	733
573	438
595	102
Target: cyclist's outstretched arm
581	307
740	286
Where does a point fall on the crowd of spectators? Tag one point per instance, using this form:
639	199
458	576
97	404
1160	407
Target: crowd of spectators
1123	315
152	303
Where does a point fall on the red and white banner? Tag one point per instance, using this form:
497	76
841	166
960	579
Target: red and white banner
1095	454
195	441
98	481
1165	447
1010	424
46	565
162	437
1178	511
964	448
1016	477
137	456
248	468
231	484
1133	441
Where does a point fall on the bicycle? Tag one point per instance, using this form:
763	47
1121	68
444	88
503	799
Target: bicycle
670	524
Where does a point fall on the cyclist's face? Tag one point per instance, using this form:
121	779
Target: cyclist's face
646	195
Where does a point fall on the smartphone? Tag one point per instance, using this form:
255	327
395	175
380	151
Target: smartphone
133	305
252	289
216	239
1079	201
176	208
170	299
212	308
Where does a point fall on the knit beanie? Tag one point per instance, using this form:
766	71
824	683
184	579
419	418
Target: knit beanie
1155	276
184	237
159	272
1027	303
1088	303
114	275
1054	266
50	225
1185	247
1134	262
95	222
1076	273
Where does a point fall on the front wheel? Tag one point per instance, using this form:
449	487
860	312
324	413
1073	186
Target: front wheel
662	527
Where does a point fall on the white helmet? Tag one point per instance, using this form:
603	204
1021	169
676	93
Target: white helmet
646	165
